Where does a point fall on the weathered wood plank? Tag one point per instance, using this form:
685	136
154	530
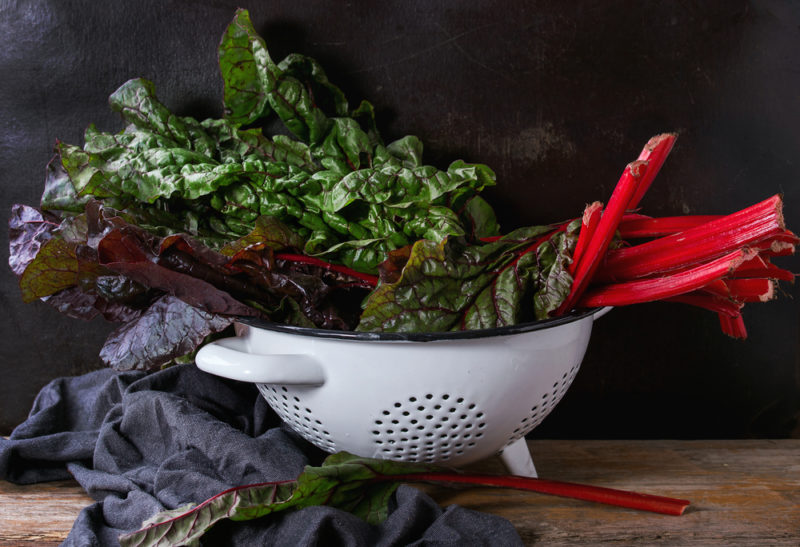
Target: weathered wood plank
742	493
39	514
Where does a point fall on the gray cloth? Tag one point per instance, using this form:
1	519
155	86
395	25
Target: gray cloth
139	444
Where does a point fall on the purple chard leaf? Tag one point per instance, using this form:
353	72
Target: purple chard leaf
168	329
28	230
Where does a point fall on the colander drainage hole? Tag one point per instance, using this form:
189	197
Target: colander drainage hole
282	400
434	421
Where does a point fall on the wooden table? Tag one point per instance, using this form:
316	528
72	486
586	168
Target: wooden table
742	493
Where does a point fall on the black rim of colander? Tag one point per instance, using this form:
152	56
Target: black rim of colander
420	336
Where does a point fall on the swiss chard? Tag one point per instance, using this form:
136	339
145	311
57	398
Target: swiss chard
99	263
361	486
454	286
334	183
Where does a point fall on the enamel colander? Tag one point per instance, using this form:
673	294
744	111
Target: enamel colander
448	398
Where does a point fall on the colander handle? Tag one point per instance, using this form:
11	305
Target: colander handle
229	358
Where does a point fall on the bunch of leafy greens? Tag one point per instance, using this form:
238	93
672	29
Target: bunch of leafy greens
174	226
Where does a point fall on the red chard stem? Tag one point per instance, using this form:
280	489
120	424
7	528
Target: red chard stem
606	228
591	218
609	496
648	290
699	244
370	280
632	228
655	152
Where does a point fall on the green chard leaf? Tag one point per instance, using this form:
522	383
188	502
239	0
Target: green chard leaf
361	486
328	96
54	269
480	219
268	232
59	193
332	190
408	150
292	102
454	286
136	101
248	73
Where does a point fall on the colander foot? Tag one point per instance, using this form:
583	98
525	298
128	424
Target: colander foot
517	459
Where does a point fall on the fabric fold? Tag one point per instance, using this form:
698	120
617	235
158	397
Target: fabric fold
141	443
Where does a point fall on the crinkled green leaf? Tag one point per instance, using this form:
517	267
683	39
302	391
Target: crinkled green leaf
398	187
136	101
346	147
87	179
360	485
326	95
59	194
453	286
294	105
248	72
480	218
335	185
408	150
364	114
435	223
268	232
555	281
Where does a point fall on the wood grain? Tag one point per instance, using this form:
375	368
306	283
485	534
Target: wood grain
39	514
742	492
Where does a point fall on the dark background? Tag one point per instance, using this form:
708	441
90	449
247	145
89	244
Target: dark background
556	96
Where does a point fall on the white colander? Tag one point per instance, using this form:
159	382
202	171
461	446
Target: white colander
450	398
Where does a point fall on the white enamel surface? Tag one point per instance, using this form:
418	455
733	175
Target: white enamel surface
231	359
446	401
517	459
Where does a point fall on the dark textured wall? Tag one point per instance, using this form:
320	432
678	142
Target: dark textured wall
556	96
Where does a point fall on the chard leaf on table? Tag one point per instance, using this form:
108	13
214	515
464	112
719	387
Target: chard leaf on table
361	486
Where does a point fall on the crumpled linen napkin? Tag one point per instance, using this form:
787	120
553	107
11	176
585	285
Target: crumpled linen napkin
141	443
